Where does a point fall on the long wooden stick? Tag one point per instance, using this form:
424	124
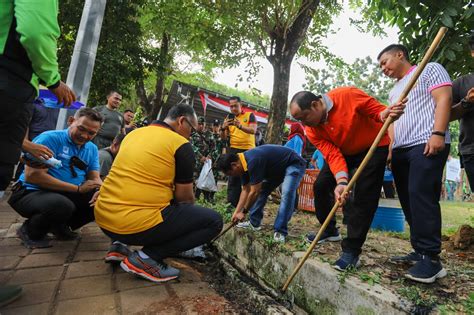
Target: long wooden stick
434	45
224	231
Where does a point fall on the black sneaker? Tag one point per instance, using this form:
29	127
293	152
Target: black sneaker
346	261
22	233
328	236
411	258
63	232
427	270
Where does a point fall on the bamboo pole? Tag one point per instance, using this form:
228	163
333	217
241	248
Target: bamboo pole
434	45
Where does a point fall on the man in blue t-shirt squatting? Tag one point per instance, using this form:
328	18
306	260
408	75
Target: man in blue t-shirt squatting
58	200
263	169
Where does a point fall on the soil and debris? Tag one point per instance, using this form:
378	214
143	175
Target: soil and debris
452	294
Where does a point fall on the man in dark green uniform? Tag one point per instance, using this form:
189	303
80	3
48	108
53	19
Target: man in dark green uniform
203	145
28	46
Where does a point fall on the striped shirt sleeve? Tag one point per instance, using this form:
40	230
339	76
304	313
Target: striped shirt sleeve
436	76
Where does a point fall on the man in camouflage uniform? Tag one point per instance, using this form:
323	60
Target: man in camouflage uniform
204	145
220	144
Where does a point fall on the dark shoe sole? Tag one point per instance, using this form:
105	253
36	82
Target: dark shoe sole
29	243
357	265
114	257
441	274
327	239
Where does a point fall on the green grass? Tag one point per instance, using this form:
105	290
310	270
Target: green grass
455	214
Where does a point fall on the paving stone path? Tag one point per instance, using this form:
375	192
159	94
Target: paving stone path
72	278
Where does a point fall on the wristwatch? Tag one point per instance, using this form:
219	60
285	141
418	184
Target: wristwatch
438	133
467	105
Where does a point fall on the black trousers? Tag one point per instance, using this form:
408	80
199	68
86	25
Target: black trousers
363	202
47	209
184	226
388	189
16	114
234	185
418	180
468	161
208	195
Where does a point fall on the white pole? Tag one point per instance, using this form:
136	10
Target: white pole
83	58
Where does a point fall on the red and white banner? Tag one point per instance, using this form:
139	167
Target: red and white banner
219	103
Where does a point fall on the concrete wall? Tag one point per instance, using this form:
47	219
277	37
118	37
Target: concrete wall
316	288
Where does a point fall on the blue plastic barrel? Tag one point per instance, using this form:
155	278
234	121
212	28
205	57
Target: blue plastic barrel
389	219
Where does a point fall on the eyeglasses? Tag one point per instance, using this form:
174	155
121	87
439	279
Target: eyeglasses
193	130
77	162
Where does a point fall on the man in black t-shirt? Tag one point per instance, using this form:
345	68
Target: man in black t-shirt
263	169
463	109
113	121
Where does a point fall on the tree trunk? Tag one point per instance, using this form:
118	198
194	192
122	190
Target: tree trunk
284	47
279	100
161	73
141	93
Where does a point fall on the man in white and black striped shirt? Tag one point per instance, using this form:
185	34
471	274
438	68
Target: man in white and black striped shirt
420	144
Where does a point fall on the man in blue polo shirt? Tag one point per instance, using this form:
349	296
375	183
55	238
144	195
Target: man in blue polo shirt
262	170
57	199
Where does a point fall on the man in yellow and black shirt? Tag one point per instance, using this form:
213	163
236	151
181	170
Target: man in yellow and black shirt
147	199
240	128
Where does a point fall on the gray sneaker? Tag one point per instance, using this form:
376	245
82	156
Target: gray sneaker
248	225
117	253
148	268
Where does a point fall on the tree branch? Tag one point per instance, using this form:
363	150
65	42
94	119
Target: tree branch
295	34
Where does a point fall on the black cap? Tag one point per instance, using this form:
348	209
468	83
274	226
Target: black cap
216	122
201	120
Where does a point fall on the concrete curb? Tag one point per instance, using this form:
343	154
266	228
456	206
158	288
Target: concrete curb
316	288
264	303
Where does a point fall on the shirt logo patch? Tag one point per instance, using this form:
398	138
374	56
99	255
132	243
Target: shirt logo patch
65	153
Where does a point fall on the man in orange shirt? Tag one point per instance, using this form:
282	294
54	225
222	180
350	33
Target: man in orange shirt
343	124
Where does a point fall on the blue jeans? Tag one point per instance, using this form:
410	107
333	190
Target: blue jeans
289	184
450	189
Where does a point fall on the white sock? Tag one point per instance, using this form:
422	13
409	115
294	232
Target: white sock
143	255
2	192
119	243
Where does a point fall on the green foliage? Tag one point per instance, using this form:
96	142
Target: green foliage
119	51
277	31
469	304
419	22
220	205
342	275
371	277
299	243
418	296
363	74
454	131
